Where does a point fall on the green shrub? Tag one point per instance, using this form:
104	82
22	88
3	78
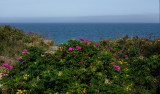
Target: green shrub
82	67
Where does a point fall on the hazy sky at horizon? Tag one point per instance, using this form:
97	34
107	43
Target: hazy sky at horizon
76	8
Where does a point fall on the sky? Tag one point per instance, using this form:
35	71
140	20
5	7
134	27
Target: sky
79	11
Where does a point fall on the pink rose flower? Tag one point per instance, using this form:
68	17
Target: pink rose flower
7	66
117	67
81	39
109	43
126	56
4	75
71	49
96	44
87	41
10	67
78	48
25	50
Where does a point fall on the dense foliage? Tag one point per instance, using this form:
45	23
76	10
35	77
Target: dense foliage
13	40
122	66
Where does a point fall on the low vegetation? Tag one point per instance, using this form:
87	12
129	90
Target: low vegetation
13	40
122	66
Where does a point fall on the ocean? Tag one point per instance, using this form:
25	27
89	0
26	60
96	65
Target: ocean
61	32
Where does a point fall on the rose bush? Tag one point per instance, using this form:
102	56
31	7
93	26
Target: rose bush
86	66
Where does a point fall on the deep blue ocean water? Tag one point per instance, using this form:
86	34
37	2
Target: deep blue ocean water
61	32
